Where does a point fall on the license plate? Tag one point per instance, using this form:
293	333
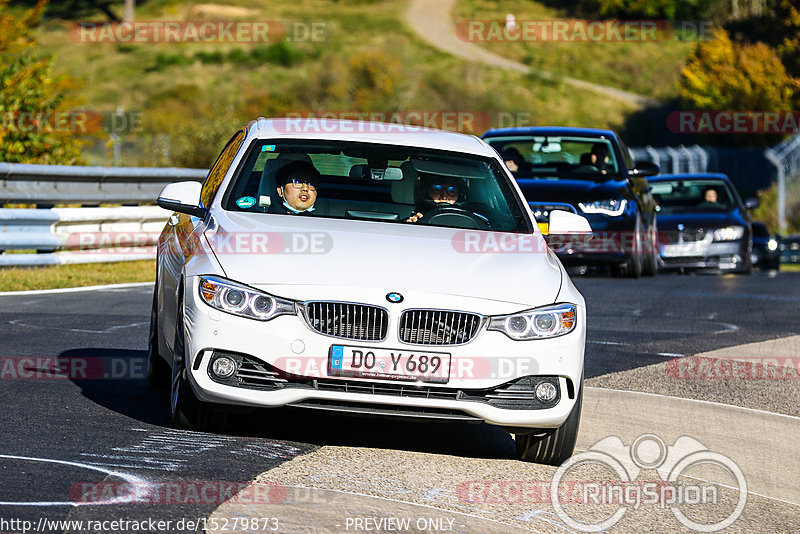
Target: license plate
389	364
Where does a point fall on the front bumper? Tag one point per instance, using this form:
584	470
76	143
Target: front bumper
287	344
704	254
613	241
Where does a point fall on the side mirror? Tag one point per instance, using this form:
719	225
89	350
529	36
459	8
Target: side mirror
751	203
564	223
183	197
644	169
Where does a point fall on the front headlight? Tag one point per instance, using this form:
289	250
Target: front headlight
550	321
612	206
238	299
730	233
772	244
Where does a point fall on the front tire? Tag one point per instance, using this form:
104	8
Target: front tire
554	446
650	266
186	410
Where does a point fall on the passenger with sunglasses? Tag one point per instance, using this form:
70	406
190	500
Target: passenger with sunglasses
298	182
433	192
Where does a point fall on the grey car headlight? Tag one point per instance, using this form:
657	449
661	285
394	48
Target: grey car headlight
241	300
613	206
730	233
550	321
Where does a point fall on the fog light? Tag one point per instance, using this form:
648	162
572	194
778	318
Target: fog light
545	391
223	367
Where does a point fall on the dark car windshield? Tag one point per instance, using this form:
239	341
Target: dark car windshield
677	196
558	157
381	183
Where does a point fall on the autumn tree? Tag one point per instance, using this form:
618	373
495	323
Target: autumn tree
29	95
723	75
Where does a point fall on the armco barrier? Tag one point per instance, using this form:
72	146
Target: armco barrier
57	233
66	184
80	235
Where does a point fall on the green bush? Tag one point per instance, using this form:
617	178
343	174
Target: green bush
210	58
280	53
239	57
164	61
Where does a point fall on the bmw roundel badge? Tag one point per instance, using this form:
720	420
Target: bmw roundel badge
394	297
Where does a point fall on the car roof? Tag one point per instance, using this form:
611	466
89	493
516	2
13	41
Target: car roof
690	176
368	132
551	130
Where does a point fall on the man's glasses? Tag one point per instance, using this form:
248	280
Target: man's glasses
298	184
446	190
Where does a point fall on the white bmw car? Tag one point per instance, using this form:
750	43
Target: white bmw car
367	268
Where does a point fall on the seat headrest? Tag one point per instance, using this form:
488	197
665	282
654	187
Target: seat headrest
403	190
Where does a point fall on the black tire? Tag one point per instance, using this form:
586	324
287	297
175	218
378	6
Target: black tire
554	446
650	265
186	410
158	372
633	269
747	267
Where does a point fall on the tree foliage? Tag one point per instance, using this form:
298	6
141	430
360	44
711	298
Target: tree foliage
724	75
29	94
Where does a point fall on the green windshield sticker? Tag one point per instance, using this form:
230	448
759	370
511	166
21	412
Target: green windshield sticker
246	202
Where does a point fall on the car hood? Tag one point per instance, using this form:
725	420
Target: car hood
295	252
667	222
571	191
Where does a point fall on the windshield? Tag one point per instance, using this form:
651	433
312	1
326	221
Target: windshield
558	157
375	182
692	196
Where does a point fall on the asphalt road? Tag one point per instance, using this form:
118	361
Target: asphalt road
116	429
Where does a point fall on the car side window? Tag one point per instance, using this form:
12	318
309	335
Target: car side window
220	168
626	154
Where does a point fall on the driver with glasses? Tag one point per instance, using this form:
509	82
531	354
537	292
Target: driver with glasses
297	186
438	191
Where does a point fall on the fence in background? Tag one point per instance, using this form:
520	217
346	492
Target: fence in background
750	169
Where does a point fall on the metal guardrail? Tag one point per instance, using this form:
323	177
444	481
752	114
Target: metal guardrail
65	184
80	235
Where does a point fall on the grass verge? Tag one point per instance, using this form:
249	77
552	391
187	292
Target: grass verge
76	275
189	98
645	66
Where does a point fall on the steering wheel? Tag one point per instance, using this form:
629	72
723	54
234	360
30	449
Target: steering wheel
450	215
